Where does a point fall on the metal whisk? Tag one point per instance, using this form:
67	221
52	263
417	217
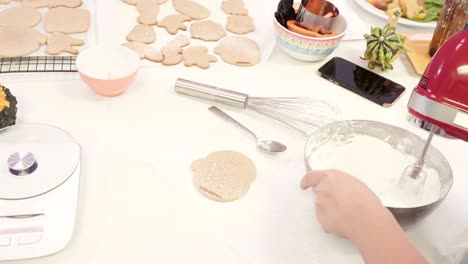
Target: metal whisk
302	113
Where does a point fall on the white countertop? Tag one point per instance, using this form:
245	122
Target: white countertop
137	202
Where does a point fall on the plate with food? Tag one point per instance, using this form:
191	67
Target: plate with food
415	13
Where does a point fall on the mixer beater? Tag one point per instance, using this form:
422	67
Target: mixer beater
302	113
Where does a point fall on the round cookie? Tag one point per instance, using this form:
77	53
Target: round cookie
223	176
20	41
20	16
239	51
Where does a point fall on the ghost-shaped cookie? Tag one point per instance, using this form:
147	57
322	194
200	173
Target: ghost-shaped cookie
148	10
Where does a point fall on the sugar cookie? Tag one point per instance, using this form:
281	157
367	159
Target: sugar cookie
52	3
207	30
234	7
191	9
223	176
240	51
173	23
20	41
240	24
145	51
197	55
149	10
172	50
20	16
142	33
59	42
67	20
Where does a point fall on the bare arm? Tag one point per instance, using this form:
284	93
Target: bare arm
382	241
347	207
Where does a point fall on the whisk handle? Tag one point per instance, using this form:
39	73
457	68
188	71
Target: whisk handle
212	93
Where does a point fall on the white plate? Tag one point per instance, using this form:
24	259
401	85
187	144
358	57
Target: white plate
402	21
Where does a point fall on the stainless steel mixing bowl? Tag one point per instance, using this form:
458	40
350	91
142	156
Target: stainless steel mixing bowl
408	142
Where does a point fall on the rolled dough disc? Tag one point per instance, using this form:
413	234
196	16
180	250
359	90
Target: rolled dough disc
20	16
20	41
223	175
67	20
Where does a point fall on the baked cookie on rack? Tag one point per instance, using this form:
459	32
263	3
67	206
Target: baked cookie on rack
20	16
59	42
20	41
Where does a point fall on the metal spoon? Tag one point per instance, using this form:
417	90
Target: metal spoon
265	145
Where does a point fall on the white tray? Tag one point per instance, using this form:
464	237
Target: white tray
115	30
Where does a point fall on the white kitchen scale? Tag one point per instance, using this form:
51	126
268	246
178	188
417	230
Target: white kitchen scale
39	183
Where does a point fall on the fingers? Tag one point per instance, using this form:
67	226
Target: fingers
312	179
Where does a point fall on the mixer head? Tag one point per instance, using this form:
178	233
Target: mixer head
439	102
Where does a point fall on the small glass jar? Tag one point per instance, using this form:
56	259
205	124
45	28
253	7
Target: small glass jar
452	19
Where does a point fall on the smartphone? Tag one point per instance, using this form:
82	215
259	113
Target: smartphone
361	81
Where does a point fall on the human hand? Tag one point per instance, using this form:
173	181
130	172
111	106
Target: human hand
345	206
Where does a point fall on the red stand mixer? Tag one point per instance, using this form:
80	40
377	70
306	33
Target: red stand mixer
440	101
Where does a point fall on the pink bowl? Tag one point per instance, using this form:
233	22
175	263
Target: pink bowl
108	70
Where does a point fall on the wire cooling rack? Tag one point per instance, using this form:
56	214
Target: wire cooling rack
38	64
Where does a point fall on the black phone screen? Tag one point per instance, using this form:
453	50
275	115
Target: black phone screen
366	83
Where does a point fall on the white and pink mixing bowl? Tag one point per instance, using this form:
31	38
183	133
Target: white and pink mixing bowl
108	70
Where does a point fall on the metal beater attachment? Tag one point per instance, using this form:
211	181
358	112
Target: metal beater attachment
414	176
302	113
